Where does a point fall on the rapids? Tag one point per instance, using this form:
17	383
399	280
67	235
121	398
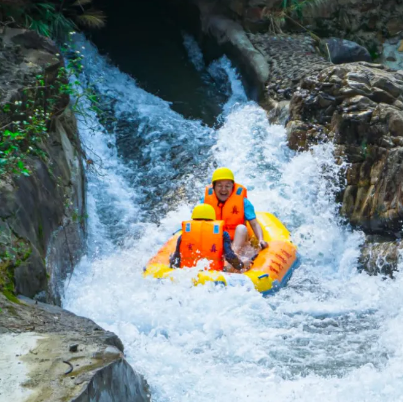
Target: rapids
332	334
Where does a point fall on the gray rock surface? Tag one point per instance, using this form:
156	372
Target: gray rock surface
359	106
37	363
41	216
236	44
381	257
290	58
345	51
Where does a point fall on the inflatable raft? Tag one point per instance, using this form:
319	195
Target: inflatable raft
271	269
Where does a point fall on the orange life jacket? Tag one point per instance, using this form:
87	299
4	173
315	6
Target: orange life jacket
202	239
232	212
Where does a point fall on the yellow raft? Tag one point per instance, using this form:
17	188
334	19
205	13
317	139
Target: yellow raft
271	269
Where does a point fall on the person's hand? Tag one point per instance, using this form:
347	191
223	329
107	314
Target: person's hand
263	244
247	265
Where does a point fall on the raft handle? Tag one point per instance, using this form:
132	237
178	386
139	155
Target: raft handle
263	276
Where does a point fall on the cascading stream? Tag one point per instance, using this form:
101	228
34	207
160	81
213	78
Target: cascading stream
332	334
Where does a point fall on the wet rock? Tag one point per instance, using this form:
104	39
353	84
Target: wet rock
380	256
297	134
39	210
290	58
345	51
236	44
38	361
73	348
32	40
365	120
394	26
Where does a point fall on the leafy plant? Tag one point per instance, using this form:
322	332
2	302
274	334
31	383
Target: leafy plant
29	120
28	126
12	254
53	18
289	9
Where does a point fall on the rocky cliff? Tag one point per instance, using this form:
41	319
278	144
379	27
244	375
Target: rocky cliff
39	212
359	107
48	354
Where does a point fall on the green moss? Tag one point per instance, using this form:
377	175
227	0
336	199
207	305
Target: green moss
373	51
10	296
40	232
12	255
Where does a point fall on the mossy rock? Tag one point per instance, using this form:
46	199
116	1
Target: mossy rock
13	252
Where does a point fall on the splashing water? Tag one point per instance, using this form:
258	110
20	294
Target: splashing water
331	334
194	53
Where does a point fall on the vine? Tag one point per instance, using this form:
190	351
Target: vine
29	120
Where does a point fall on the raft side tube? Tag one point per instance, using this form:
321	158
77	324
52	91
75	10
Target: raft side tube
271	269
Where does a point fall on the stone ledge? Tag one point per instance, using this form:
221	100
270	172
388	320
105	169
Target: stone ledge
38	362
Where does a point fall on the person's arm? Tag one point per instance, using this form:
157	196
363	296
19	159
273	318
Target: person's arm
175	258
250	216
257	230
229	254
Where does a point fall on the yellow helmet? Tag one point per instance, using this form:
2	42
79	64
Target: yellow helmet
222	174
203	211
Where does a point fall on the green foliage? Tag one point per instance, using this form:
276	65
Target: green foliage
53	18
373	51
24	136
12	254
46	20
28	126
30	119
289	9
10	296
77	218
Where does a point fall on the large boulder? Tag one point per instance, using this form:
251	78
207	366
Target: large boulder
49	354
233	41
359	107
381	256
345	51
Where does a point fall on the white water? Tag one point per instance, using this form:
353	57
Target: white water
331	335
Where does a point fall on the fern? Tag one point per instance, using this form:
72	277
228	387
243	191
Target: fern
41	27
60	26
45	6
92	19
79	3
54	18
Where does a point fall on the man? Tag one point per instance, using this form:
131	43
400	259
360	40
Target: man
204	237
231	205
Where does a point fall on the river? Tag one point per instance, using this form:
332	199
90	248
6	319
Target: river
332	334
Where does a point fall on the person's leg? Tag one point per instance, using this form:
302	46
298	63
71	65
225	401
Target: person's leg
240	238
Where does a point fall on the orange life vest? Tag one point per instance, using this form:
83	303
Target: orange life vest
202	239
232	212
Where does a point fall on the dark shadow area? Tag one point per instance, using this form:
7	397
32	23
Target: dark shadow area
144	39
